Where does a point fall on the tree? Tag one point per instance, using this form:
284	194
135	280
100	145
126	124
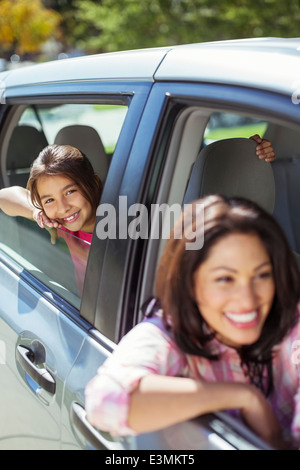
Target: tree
111	25
25	25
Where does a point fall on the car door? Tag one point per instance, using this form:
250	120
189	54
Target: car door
39	343
178	120
42	331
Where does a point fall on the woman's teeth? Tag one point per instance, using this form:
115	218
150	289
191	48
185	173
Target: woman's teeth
241	317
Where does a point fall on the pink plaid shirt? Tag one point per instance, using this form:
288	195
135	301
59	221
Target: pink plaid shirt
149	349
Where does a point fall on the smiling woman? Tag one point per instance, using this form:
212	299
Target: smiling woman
208	341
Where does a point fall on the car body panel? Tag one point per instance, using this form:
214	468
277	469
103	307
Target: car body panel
29	320
235	63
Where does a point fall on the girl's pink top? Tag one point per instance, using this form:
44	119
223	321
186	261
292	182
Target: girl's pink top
149	349
79	245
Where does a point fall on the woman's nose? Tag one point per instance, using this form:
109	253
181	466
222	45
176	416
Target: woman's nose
247	297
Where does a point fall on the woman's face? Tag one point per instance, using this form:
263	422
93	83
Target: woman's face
62	200
234	289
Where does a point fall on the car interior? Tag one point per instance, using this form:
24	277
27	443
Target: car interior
200	162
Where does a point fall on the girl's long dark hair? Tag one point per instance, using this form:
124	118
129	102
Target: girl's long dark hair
175	280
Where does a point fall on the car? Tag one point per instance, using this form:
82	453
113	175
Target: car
144	118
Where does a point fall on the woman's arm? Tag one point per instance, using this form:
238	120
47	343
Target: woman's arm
161	401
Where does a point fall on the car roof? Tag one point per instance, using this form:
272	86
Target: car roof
265	63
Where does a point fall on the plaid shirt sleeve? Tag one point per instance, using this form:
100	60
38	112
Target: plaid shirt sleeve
146	349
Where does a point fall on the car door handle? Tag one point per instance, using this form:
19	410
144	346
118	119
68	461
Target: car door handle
26	358
97	439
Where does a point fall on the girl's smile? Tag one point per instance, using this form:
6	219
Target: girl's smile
234	289
63	202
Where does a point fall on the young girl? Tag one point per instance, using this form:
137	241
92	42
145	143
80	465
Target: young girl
220	333
63	192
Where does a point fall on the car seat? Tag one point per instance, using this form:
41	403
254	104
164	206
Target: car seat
25	144
231	167
88	141
286	168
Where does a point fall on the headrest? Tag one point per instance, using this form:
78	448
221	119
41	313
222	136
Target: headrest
25	144
231	167
285	141
88	141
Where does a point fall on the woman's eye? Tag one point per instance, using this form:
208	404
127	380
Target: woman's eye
224	279
265	275
48	201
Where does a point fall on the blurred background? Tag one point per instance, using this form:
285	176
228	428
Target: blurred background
43	30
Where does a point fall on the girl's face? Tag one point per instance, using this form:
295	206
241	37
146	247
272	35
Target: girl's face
234	289
62	200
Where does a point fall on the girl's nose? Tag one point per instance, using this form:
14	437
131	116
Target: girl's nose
62	208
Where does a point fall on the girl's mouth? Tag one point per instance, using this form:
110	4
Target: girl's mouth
72	218
243	320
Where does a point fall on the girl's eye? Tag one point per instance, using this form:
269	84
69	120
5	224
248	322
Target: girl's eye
71	191
48	201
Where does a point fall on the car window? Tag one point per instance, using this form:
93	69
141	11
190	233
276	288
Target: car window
56	258
107	120
223	125
94	129
182	159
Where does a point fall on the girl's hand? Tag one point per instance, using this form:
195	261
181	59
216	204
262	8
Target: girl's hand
42	220
264	149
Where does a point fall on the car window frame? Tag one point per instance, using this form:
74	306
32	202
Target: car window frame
218	97
134	95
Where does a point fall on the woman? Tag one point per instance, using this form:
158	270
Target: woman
219	334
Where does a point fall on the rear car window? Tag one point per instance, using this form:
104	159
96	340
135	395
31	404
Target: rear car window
56	258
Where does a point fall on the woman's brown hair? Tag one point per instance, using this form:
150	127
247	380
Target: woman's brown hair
70	162
175	278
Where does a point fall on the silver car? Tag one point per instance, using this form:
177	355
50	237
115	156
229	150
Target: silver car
143	118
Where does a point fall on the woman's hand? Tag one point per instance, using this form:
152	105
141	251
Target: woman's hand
264	149
259	416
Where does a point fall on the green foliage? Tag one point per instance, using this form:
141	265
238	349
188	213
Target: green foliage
109	25
118	25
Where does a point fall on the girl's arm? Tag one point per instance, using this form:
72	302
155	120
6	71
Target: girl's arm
15	201
161	401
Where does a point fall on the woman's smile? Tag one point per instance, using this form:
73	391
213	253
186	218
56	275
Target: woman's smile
234	289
